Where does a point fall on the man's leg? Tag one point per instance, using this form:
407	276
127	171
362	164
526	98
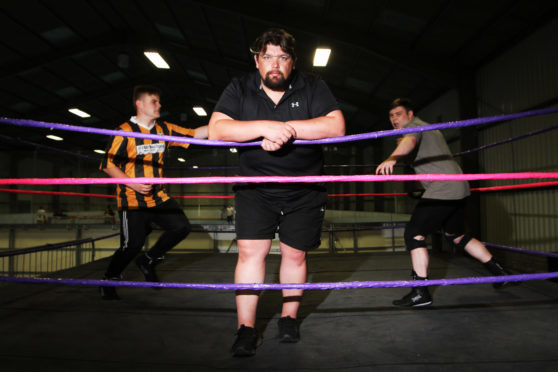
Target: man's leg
478	251
474	247
292	270
428	217
420	259
454	232
133	231
419	296
169	217
250	268
132	237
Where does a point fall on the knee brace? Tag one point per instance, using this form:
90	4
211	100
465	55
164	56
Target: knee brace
462	243
410	241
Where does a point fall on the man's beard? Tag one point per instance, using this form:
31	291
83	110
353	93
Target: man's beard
280	84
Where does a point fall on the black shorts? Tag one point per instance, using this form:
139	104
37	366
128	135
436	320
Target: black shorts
297	218
431	215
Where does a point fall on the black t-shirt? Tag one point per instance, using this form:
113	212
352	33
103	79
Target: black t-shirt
307	97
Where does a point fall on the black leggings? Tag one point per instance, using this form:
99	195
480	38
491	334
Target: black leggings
135	225
431	215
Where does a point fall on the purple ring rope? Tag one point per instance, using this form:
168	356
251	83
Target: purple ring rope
355	137
49	148
508	140
50	247
305	286
520	250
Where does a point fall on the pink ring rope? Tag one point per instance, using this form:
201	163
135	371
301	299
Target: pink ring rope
276	179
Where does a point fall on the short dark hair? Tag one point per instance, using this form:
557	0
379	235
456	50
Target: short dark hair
405	102
140	90
275	36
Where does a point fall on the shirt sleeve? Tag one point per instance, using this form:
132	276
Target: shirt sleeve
323	101
116	153
417	135
178	130
230	101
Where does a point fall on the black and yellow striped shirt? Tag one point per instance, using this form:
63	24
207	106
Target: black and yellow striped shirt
138	157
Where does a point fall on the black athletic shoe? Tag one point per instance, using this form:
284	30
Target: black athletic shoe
247	340
419	296
147	265
109	293
496	269
288	329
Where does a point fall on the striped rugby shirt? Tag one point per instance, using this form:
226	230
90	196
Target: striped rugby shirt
138	157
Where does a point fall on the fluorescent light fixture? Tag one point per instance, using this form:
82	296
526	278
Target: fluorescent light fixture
199	111
182	160
233	150
54	138
78	112
156	59
321	57
99	151
194	167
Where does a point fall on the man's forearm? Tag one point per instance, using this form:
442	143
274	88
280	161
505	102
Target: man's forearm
406	145
330	125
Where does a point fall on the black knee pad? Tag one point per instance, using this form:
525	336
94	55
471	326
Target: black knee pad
462	243
410	241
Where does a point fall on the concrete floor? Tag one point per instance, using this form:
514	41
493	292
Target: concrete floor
468	328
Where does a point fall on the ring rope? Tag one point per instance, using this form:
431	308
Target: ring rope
350	138
96	159
508	140
49	148
279	179
517	187
261	286
521	250
521	186
276	286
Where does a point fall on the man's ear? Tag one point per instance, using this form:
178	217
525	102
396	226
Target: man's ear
411	114
256	60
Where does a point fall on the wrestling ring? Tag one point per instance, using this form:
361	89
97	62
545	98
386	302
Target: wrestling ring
347	321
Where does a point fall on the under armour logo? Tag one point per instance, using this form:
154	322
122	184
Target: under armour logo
294	104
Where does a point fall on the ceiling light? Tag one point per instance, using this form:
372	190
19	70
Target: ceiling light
156	59
199	111
54	138
233	150
321	57
99	151
182	160
78	112
194	167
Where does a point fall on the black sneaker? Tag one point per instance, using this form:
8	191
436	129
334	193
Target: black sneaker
247	340
419	296
109	293
496	269
147	265
288	329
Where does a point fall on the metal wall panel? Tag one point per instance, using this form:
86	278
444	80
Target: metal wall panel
523	78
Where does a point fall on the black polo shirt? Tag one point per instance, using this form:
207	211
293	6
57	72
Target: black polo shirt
307	97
